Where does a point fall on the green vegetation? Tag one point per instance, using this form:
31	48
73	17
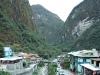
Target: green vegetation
65	63
18	30
24	39
24	64
52	68
48	23
87	40
1	50
4	73
35	72
90	39
41	63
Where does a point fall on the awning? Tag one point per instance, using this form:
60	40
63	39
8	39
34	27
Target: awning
90	66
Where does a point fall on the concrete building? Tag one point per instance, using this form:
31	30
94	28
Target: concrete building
14	65
81	57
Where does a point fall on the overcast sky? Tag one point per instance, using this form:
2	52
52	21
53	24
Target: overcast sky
60	7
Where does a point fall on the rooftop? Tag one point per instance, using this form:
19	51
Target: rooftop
96	59
11	58
85	53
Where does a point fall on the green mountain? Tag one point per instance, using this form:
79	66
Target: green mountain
18	29
48	23
81	29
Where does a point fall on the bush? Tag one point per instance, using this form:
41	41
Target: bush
35	73
4	73
52	68
65	63
24	64
41	63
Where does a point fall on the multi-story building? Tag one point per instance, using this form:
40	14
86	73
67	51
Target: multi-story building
81	57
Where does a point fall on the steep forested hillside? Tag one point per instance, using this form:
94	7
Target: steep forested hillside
48	23
18	29
81	29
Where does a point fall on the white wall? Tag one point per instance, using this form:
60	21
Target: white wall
88	60
79	67
81	60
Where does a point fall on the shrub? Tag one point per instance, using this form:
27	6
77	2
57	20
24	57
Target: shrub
52	68
41	63
24	64
4	73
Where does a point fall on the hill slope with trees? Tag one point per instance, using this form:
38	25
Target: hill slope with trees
81	29
19	31
47	22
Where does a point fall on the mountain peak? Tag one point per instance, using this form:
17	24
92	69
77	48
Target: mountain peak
81	26
49	23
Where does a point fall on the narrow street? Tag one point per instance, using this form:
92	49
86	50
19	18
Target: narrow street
66	72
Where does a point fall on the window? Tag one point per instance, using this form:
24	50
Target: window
73	63
91	53
84	60
97	64
92	61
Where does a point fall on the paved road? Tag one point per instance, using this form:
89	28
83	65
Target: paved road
66	72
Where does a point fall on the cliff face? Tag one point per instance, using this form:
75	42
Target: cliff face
16	17
19	10
18	29
48	23
82	18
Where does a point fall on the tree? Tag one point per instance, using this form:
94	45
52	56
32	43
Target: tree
1	50
16	47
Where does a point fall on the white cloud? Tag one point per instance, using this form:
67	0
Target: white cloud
60	7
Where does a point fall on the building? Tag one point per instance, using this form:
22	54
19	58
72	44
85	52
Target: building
93	68
90	69
11	63
7	51
60	58
81	57
14	63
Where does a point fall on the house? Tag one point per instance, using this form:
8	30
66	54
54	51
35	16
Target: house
21	54
7	51
15	64
34	57
81	57
93	68
11	63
